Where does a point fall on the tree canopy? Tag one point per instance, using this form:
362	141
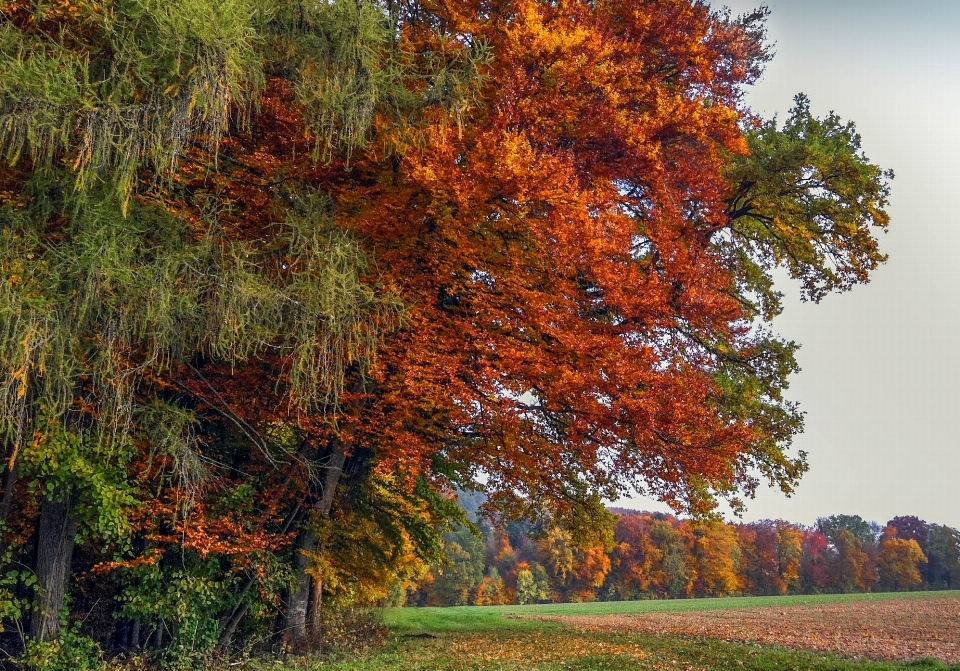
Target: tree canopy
278	278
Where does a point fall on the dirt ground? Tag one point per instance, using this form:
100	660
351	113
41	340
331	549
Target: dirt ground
892	629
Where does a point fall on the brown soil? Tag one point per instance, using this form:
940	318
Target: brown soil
891	629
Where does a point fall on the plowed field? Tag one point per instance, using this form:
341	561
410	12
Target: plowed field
892	630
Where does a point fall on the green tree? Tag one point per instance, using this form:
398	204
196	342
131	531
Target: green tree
831	526
943	552
541	584
806	199
456	581
533	585
526	585
675	576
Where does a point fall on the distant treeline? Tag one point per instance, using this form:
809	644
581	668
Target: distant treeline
659	556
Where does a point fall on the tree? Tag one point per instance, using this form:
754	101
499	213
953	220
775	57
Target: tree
556	551
761	558
674	575
590	572
718	558
455	581
806	196
165	244
856	525
634	558
815	565
910	527
899	561
943	552
533	586
851	568
853	544
272	267
500	552
491	591
791	555
582	299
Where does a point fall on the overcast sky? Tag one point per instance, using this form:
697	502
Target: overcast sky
881	364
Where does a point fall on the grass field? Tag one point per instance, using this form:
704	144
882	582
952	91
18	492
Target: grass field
474	618
506	638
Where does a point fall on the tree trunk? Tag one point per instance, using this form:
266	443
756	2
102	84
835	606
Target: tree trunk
230	621
56	532
296	623
298	607
10	477
231	626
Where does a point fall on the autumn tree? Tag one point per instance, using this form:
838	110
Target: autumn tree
815	563
491	590
791	555
500	553
899	561
760	560
911	528
555	550
270	269
718	558
592	564
633	560
584	300
165	246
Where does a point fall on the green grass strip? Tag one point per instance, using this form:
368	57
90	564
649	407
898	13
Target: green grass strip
474	618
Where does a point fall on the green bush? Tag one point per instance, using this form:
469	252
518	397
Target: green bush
70	652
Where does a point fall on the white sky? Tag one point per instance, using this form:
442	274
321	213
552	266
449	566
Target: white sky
881	364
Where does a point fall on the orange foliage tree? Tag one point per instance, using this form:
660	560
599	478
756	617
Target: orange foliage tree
634	558
584	261
791	555
718	559
556	225
899	560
